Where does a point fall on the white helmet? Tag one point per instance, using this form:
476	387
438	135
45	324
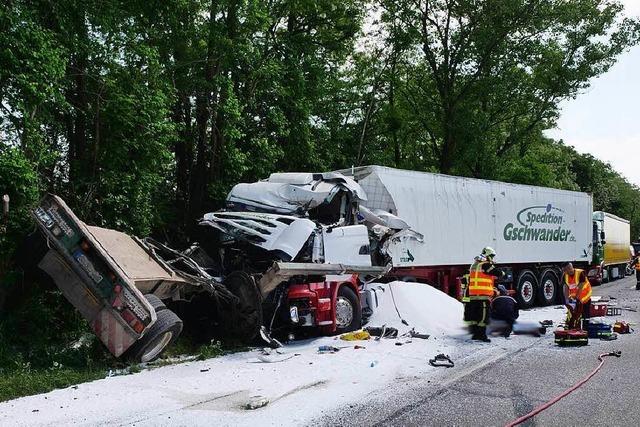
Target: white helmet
488	252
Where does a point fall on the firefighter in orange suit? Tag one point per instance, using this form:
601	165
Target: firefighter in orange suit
577	295
478	294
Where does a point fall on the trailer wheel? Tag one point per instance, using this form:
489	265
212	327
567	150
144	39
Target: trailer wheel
548	289
527	286
348	310
155	302
162	334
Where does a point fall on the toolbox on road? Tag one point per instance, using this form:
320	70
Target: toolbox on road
571	337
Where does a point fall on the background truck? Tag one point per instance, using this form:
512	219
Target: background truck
611	254
533	229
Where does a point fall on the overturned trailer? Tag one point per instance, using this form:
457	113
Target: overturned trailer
287	255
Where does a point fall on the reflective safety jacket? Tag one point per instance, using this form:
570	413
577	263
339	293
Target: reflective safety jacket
573	281
480	283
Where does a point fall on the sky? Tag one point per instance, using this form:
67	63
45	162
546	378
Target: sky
604	120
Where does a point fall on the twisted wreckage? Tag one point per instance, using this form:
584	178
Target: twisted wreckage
288	254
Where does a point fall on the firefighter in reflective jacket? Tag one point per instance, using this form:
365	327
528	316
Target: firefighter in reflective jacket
577	295
478	293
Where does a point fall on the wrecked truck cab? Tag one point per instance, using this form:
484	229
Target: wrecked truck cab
307	217
322	242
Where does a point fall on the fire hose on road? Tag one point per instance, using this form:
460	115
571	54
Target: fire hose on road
564	393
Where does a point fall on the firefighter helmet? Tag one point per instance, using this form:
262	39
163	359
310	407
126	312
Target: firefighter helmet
488	252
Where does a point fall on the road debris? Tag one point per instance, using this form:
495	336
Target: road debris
382	332
328	349
441	360
360	335
256	402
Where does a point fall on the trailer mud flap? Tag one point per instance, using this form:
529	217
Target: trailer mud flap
102	319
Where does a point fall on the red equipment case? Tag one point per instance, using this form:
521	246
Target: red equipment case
598	309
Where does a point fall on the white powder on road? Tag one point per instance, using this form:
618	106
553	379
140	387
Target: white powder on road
299	389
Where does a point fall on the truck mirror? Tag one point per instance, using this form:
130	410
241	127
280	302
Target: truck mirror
602	236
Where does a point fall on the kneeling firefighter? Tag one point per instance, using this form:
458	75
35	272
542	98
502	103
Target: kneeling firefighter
478	293
577	295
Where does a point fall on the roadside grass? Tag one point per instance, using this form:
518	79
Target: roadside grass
26	383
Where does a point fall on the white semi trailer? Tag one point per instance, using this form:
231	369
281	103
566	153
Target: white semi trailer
533	229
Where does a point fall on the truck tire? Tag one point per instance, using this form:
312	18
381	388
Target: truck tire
243	321
549	288
155	302
162	334
526	289
348	310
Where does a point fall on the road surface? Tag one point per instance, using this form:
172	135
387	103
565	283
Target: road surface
495	386
383	384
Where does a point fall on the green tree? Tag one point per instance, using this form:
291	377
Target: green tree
481	77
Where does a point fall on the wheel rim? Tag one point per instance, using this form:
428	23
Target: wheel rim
155	349
527	291
344	312
548	289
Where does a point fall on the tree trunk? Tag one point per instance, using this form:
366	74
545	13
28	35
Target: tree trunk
199	177
447	154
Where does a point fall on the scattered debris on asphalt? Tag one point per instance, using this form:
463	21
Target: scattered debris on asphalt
360	335
256	402
382	332
441	360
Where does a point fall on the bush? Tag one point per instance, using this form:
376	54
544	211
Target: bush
19	180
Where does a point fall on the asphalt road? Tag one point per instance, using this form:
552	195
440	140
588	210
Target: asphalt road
495	385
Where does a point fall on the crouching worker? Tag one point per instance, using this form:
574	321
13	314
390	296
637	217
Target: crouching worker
504	312
481	281
577	295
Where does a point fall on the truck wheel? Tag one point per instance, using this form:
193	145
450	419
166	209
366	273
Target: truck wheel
548	289
155	302
527	285
348	310
245	319
162	334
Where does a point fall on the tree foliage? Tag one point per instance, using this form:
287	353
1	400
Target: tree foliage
142	114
